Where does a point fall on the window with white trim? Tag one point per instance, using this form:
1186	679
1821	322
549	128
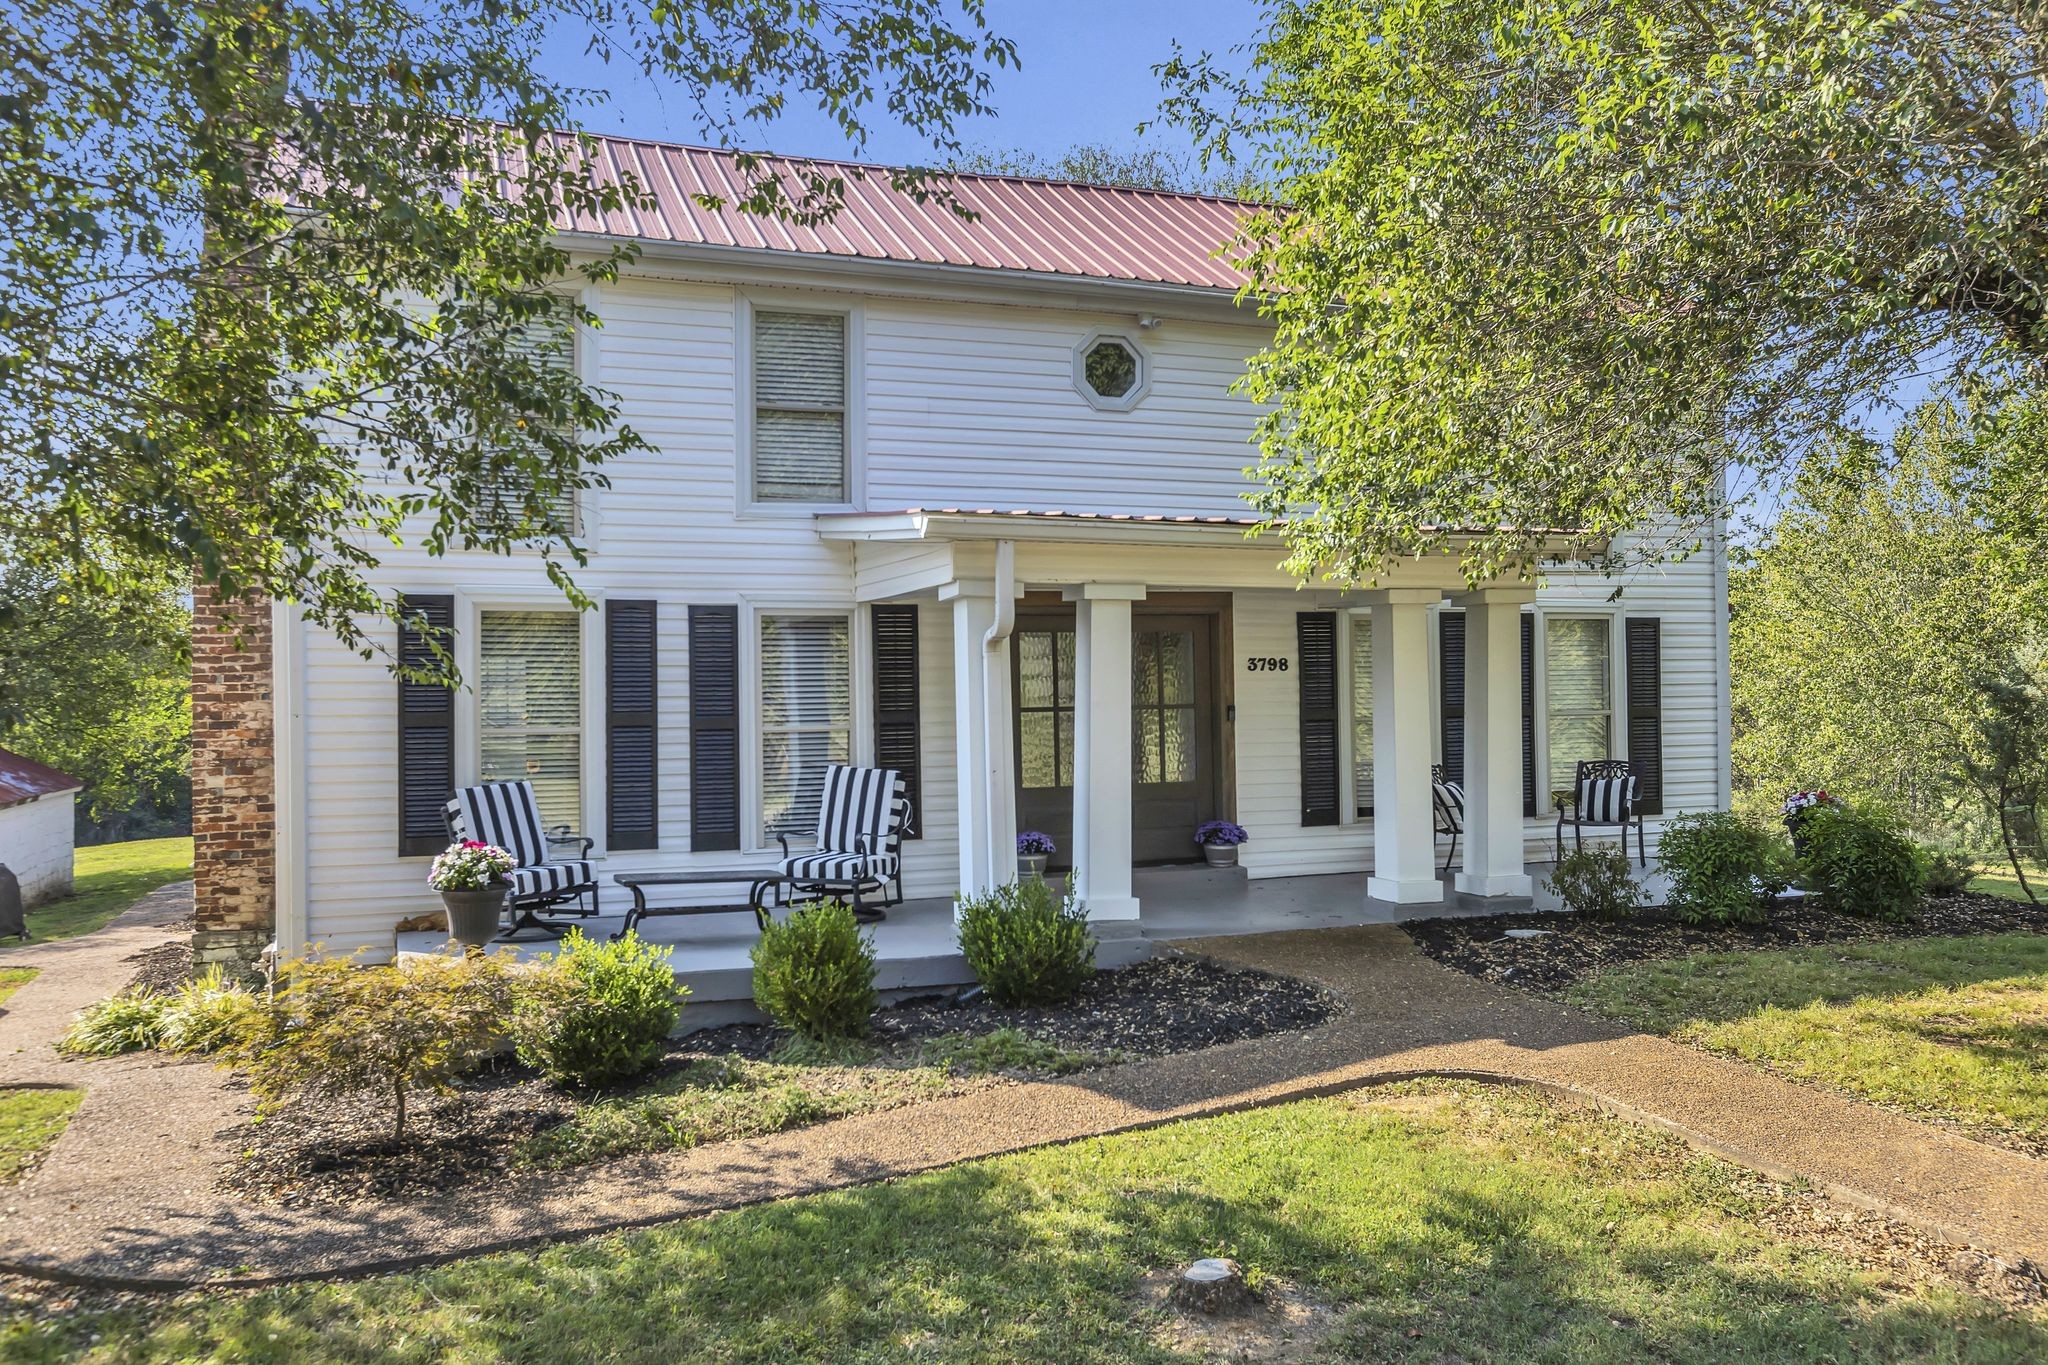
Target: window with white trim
1361	715
806	716
799	416
548	343
1578	690
530	707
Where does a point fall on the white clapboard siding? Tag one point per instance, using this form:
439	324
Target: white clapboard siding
958	404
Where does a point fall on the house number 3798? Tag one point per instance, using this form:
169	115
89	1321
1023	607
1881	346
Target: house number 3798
1267	664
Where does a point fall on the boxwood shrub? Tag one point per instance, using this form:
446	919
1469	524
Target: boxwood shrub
1721	868
814	973
1025	944
1598	883
597	1013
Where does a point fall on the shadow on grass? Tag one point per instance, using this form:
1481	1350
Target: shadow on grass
1498	1229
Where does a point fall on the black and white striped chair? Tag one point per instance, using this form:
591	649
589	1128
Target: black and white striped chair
1603	793
1448	799
508	815
859	852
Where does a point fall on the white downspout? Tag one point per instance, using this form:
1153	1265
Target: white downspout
999	797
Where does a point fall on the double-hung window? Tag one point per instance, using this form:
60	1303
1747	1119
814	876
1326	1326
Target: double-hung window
806	716
799	407
549	345
1578	686
530	707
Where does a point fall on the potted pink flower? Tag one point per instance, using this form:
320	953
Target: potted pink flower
473	878
1798	806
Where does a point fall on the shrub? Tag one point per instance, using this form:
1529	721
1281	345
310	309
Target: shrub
1721	868
597	1013
208	1014
1024	946
1598	883
127	1022
815	973
1943	871
1860	865
337	1028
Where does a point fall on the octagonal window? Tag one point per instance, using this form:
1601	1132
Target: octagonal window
1111	368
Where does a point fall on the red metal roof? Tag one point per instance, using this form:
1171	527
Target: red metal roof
1050	227
24	779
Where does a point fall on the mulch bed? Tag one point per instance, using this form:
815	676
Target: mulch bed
162	969
338	1151
1574	948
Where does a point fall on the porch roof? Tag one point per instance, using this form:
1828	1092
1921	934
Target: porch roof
1159	528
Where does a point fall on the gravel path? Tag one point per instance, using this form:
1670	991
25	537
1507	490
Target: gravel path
145	1215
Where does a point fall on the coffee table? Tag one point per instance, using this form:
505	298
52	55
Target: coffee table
760	885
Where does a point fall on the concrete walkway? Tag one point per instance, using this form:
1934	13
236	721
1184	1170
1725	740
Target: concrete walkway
136	1208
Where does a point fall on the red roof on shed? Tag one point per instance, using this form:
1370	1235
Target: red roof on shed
1051	227
24	779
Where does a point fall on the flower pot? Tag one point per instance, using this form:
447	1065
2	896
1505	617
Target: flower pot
1031	865
473	915
1220	855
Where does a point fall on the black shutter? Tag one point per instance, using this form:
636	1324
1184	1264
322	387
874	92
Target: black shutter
896	702
426	726
1450	639
632	801
1646	711
714	728
1316	634
1528	713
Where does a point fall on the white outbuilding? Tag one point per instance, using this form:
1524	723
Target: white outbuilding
36	826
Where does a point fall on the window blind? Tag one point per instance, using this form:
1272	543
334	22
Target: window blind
799	407
1361	715
1578	693
530	707
806	717
549	344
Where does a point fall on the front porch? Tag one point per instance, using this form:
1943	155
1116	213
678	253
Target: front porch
917	951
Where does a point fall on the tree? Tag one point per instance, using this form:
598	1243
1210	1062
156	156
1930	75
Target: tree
1866	621
99	686
1099	163
1554	263
280	278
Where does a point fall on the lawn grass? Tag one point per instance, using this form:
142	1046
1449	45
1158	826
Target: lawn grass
1996	879
13	979
1436	1221
107	879
1949	1028
31	1119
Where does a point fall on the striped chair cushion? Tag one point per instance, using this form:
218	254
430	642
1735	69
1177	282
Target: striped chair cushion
1606	800
840	867
547	878
854	812
505	814
1450	807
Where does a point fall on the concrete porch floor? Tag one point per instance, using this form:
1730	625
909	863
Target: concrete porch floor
916	950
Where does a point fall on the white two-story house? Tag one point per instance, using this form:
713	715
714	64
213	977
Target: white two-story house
962	497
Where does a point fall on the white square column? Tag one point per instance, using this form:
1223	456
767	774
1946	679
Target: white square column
1102	747
974	612
1493	742
1403	811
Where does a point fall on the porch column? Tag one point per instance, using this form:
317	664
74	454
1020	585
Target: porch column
1493	742
1102	747
974	611
1404	839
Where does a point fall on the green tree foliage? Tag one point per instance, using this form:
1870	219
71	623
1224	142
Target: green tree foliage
251	252
1550	263
1864	624
95	680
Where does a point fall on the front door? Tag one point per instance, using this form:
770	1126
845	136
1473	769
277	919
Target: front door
1173	730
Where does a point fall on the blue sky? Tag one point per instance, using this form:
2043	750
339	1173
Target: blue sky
1085	75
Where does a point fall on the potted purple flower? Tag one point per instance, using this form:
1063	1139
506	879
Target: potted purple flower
1219	840
1033	849
472	878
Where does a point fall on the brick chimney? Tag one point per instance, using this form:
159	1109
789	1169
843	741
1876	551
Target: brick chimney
234	792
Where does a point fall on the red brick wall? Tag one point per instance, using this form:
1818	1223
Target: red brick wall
234	799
